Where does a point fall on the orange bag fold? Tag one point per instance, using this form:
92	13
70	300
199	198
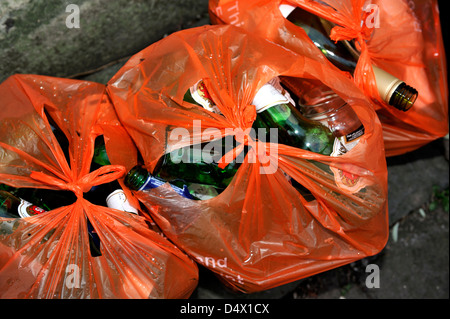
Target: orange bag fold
135	262
259	233
407	43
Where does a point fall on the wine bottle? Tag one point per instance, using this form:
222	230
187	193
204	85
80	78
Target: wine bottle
344	56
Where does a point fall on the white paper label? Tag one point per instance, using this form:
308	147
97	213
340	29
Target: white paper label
276	83
268	96
118	200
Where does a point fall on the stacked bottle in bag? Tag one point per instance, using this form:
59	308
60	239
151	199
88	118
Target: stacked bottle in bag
344	55
321	122
318	121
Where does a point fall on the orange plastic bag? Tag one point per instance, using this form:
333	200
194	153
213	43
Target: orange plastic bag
135	261
403	38
259	232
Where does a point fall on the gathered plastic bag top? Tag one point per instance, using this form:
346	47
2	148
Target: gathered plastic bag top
259	232
401	37
47	255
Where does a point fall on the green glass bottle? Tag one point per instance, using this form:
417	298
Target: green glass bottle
275	111
17	207
138	178
199	164
109	194
12	206
344	56
192	171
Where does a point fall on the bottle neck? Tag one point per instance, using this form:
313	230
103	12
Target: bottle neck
322	109
394	91
136	178
100	156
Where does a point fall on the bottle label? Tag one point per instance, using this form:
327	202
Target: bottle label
201	95
346	143
27	209
276	83
268	96
348	181
153	182
118	200
344	179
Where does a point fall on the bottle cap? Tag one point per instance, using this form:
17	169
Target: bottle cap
394	91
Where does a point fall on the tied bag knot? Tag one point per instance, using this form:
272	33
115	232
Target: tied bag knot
103	175
360	33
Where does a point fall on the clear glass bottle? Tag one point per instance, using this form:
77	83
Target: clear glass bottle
344	56
318	102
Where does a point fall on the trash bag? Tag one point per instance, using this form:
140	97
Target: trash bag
260	232
401	37
47	255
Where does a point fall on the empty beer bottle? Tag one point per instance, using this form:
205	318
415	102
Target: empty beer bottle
138	178
109	194
12	206
344	56
17	207
274	111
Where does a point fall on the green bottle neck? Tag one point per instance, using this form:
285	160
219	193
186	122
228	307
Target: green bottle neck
136	177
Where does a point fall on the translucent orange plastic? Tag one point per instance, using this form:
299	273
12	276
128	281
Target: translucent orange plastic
260	232
136	262
407	43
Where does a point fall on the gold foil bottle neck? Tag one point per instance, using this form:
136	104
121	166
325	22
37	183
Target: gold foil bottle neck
394	91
